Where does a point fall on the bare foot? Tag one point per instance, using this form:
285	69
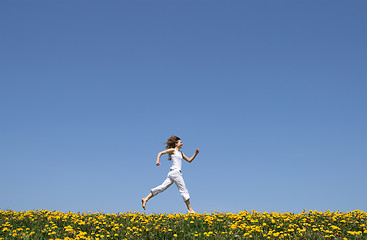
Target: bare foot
191	212
143	202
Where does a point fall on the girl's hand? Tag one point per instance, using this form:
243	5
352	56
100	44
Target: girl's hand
197	150
158	164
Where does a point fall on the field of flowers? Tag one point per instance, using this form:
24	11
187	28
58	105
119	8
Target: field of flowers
43	224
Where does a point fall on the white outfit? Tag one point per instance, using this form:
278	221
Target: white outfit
174	176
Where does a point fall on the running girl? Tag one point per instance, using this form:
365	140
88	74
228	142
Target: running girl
174	145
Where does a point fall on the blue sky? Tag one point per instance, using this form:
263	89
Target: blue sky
273	93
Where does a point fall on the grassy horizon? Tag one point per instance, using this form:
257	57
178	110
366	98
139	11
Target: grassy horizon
312	224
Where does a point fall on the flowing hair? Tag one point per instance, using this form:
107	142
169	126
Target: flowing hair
171	143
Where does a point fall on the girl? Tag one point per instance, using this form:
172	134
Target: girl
174	145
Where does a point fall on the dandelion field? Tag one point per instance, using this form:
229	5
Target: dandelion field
44	224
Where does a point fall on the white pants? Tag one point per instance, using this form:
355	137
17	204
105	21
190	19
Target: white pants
174	176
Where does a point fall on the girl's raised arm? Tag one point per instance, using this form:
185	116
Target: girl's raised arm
192	158
169	151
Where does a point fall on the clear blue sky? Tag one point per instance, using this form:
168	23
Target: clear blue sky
273	93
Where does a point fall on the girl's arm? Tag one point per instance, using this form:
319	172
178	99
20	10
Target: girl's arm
192	158
170	151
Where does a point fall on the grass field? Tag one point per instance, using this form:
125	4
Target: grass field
43	224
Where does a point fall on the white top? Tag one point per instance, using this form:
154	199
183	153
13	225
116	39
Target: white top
176	159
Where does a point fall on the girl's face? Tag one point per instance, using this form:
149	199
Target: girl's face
179	144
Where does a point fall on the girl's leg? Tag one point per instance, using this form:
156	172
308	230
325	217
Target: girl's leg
189	208
180	183
168	182
145	200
